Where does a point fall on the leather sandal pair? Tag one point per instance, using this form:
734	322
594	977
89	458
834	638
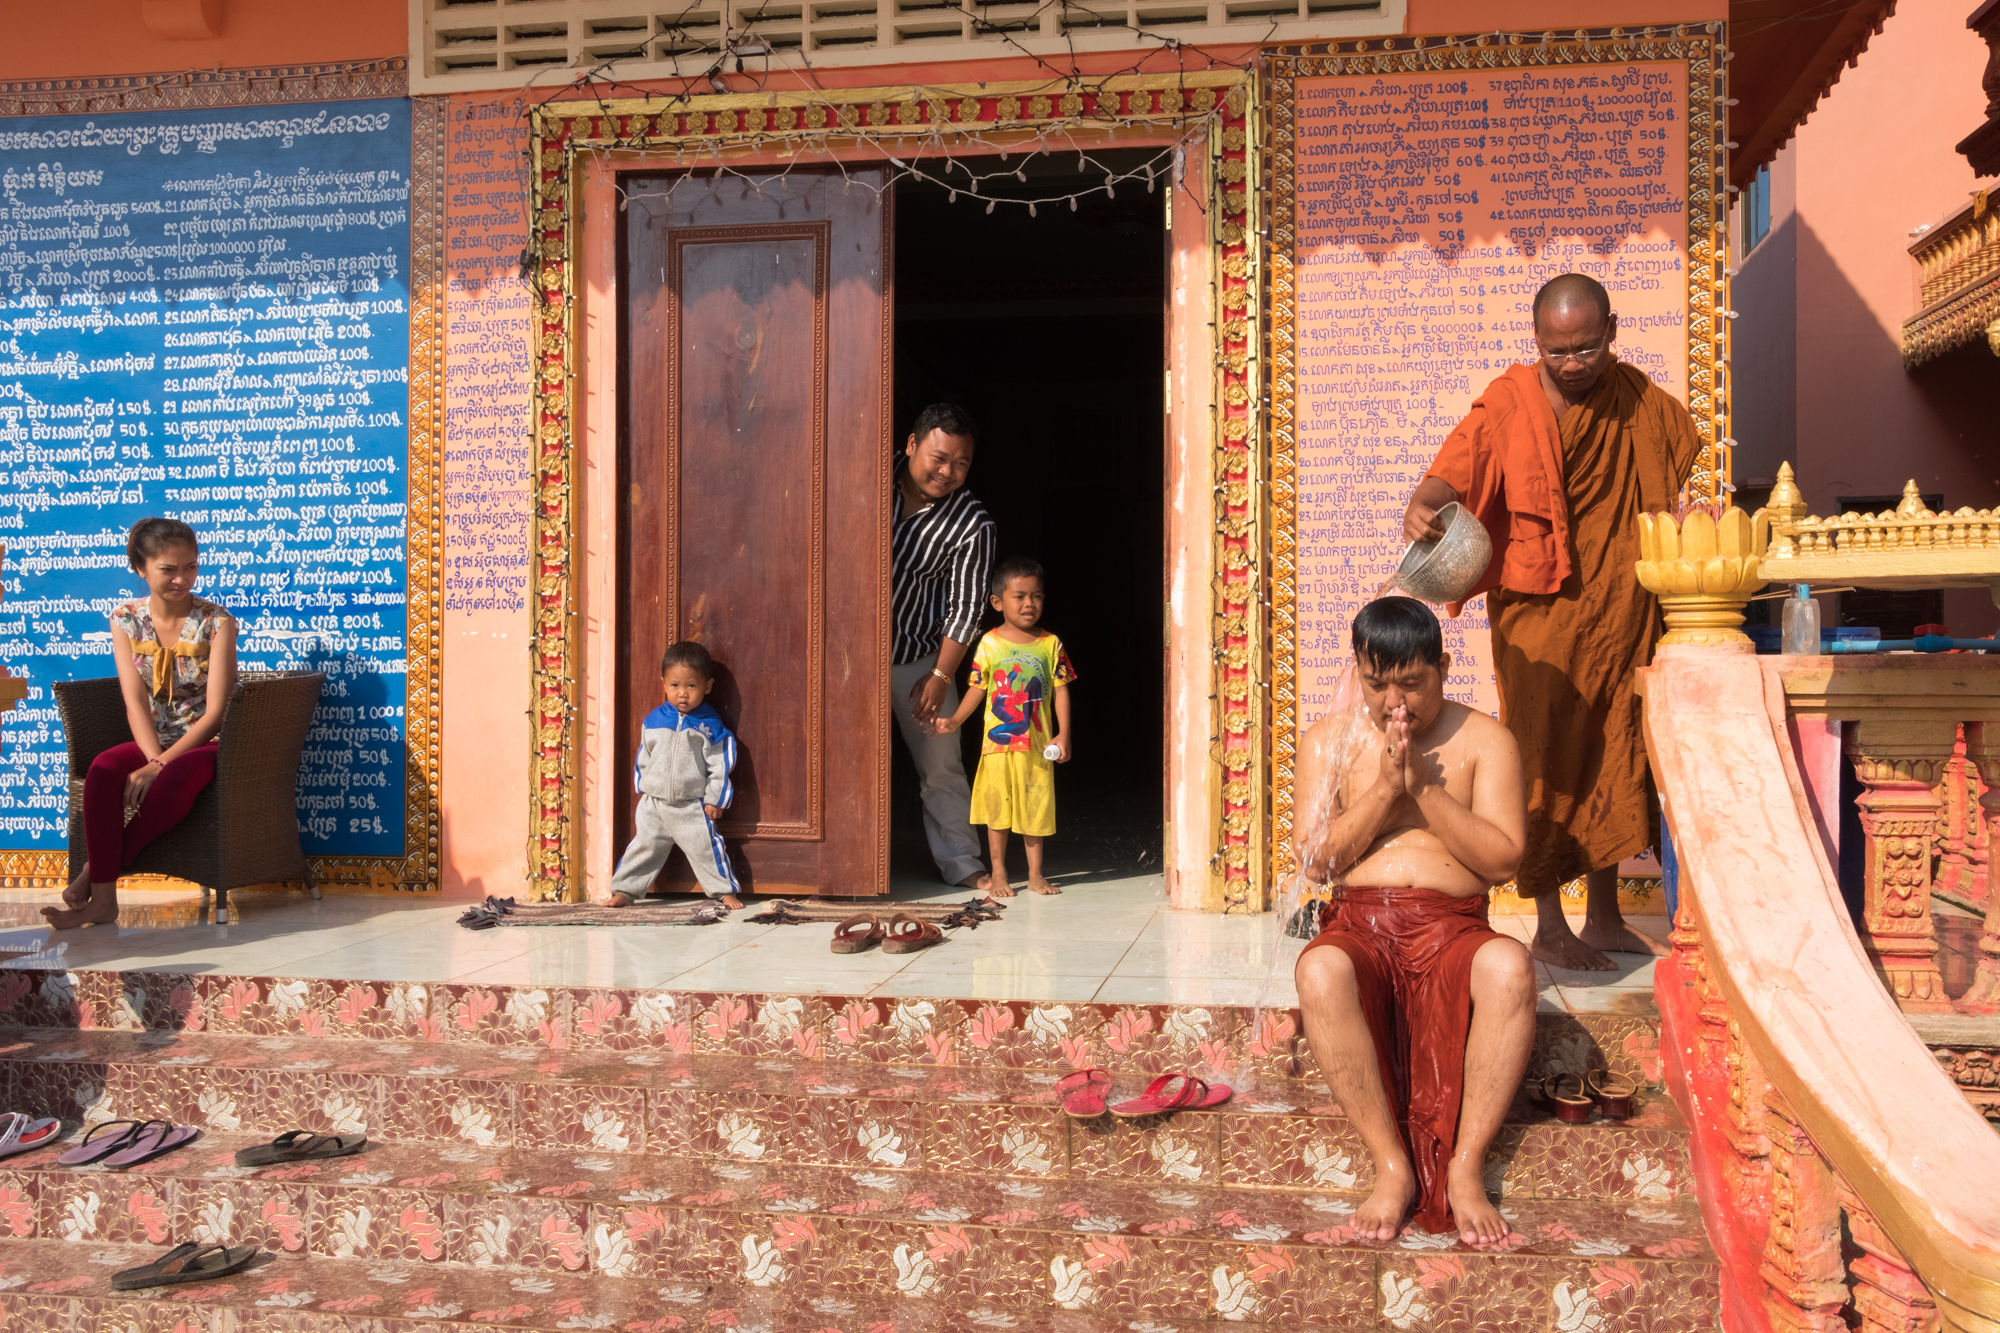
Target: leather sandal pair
903	934
1571	1098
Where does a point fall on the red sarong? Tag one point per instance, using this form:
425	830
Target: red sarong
1412	953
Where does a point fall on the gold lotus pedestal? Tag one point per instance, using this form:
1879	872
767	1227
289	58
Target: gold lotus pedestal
1703	569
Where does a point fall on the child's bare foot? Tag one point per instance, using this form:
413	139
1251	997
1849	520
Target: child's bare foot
1036	884
1380	1216
1479	1222
997	886
731	901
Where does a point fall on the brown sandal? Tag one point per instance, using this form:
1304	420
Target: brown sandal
1571	1108
860	931
1614	1094
907	934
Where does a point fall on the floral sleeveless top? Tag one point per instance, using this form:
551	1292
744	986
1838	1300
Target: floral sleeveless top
177	672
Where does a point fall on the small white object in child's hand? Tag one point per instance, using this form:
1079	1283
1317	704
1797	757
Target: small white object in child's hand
1052	752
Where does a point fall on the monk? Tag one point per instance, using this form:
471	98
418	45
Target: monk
1557	459
1411	808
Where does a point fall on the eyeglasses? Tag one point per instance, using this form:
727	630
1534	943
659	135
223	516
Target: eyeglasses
1563	358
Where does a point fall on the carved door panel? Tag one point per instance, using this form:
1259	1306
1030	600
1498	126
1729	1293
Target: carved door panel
756	466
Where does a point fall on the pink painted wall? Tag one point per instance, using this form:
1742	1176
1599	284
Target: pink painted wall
1834	283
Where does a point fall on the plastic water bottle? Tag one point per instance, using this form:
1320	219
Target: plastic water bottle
1801	624
1052	752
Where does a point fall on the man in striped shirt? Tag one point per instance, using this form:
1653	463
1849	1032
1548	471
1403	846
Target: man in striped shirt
940	552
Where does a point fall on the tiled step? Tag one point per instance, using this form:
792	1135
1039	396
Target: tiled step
1250	1048
653	1161
50	1287
851	1114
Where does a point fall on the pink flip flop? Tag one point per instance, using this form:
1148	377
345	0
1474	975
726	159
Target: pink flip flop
1192	1095
153	1139
20	1133
1083	1093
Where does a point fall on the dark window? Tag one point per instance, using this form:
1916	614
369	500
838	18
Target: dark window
1757	210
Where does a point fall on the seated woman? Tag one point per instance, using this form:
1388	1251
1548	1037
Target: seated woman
176	656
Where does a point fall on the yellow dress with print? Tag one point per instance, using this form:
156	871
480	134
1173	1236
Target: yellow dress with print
1015	787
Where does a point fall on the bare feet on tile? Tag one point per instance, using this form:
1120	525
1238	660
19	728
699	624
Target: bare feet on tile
1617	937
1566	950
976	880
1036	884
731	901
996	885
1479	1222
77	896
1381	1214
101	910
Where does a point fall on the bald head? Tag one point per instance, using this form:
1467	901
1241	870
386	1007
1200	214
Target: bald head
1572	291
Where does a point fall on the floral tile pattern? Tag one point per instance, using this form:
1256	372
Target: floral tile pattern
552	1157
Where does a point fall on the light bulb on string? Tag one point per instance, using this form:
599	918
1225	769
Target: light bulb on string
1031	210
1072	203
990	203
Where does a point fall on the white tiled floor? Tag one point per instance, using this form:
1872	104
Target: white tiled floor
1111	940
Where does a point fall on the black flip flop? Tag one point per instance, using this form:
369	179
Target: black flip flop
298	1145
185	1263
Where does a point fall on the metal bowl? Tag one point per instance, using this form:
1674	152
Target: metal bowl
1446	569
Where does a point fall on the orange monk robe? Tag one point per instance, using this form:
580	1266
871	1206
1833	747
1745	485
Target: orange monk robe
1570	622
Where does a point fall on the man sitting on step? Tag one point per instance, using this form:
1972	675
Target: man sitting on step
1410	808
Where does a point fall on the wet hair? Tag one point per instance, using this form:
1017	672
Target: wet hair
1394	632
1568	289
690	654
947	417
150	536
1008	570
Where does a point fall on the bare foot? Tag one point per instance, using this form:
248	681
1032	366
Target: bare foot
77	895
1036	884
731	901
619	900
976	880
1380	1216
1479	1222
1620	938
1566	950
96	914
997	886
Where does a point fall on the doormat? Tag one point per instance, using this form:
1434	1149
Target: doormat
788	912
507	912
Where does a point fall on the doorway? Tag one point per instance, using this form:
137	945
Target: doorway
1050	331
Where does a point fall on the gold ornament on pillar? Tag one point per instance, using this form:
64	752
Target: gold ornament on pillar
1703	569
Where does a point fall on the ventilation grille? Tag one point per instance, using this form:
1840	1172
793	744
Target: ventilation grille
469	44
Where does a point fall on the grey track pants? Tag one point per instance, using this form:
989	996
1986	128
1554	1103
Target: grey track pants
657	829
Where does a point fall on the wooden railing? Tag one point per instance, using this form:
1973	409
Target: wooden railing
1816	1110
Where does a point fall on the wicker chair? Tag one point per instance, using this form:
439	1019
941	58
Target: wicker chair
244	827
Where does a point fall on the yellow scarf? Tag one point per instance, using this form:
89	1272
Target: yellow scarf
163	657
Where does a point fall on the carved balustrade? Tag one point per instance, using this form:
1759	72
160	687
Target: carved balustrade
1844	1180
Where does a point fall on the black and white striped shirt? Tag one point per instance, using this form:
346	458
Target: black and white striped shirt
939	558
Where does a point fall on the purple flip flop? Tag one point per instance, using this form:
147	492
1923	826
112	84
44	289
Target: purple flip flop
153	1139
98	1144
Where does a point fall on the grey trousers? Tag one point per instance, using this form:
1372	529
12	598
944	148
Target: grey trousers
658	828
941	778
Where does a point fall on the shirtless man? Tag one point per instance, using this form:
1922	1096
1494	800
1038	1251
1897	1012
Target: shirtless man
1427	815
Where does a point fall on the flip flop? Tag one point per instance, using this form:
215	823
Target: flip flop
20	1133
155	1138
185	1264
1571	1108
907	934
92	1148
848	939
299	1145
1083	1093
1192	1095
1614	1094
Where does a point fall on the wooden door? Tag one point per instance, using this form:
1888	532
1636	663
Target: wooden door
756	469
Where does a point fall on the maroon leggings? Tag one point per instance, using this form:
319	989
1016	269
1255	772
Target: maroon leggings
110	841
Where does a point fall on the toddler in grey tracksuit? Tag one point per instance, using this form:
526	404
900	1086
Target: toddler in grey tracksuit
682	776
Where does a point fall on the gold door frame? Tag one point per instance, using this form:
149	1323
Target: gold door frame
749	129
